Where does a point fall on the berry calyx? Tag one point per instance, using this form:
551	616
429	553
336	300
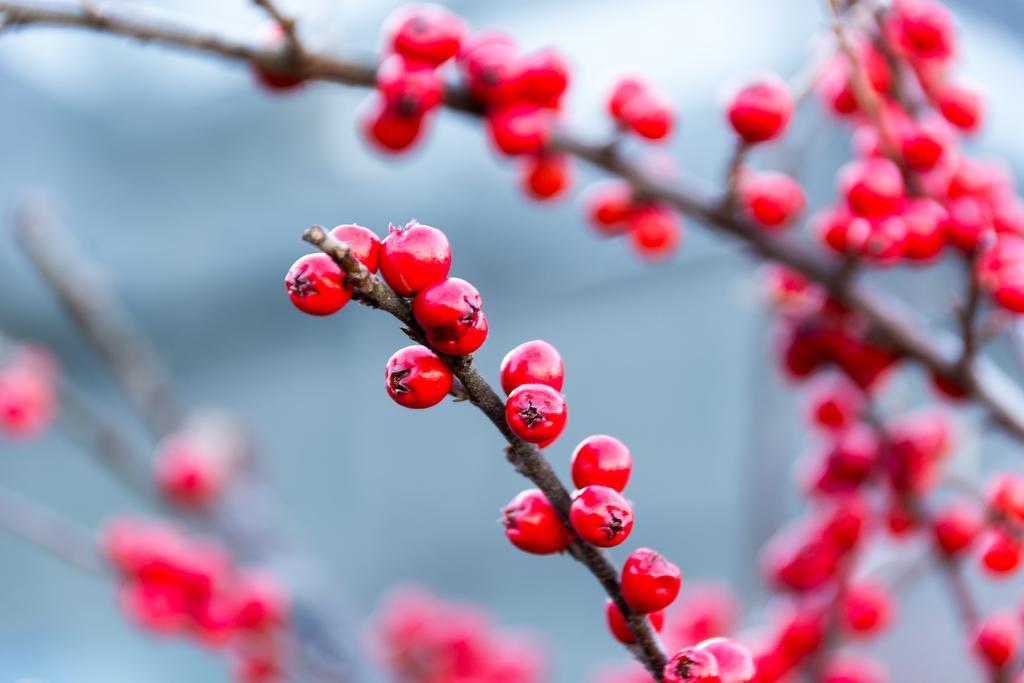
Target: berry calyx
602	460
532	362
601	516
416	378
649	582
414	257
546	176
533	525
315	284
536	413
451	315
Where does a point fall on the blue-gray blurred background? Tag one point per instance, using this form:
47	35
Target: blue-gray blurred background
192	186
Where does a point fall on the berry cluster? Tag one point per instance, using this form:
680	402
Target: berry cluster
420	638
172	584
28	391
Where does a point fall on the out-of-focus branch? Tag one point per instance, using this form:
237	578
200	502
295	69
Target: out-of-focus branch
524	457
49	531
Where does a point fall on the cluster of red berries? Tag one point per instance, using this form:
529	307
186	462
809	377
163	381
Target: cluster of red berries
420	638
173	584
28	391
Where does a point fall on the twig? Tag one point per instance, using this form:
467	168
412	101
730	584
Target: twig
968	318
49	531
287	23
525	457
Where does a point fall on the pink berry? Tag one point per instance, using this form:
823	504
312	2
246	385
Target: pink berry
425	33
760	110
533	525
450	314
619	627
362	244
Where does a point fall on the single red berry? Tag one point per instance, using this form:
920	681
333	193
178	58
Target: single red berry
315	284
424	33
532	362
188	472
692	666
544	78
654	232
1006	496
28	398
771	199
409	89
533	525
609	206
389	130
450	313
619	627
414	257
275	74
873	187
996	639
836	406
962	106
866	607
546	176
262	603
416	378
362	244
519	128
602	460
536	412
491	65
601	516
650	583
760	110
1000	552
925	221
735	664
956	526
925	143
923	29
970	224
648	115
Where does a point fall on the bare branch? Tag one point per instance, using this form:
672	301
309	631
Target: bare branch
49	531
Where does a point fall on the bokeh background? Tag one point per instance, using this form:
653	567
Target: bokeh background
192	186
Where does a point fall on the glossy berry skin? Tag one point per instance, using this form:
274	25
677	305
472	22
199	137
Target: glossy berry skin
735	665
28	398
414	257
450	313
416	378
956	526
1001	553
654	232
425	33
608	206
362	243
866	608
532	524
409	89
692	666
544	78
536	413
925	221
315	284
997	639
546	176
650	583
187	473
388	130
760	110
601	460
519	128
873	187
601	516
619	627
532	362
772	200
961	106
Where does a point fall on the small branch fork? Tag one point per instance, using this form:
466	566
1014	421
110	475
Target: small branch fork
524	457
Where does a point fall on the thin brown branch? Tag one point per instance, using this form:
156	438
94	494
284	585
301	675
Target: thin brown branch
524	457
49	531
286	22
967	317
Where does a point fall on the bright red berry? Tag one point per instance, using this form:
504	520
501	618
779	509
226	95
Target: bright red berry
262	603
866	607
188	472
962	106
925	143
609	205
273	74
362	244
389	130
619	627
602	460
536	412
601	516
873	187
735	664
956	526
760	110
544	77
970	223
923	29
28	398
925	222
771	199
409	89
692	666
532	362
450	313
649	116
414	257
519	128
425	33
654	232
1001	553
315	284
836	406
649	582
546	176
416	378
532	524
997	638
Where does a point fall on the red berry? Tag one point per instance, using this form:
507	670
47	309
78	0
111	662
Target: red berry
425	33
416	378
650	583
866	607
925	221
532	362
735	665
923	29
362	244
389	130
962	106
836	406
649	116
271	74
996	639
315	285
873	187
956	525
619	627
771	199
519	128
970	223
535	412
409	89
760	110
546	176
602	460
533	525
261	602
1000	552
601	516
1000	270
188	472
924	144
609	206
28	398
692	666
654	232
1006	496
544	77
450	313
414	257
